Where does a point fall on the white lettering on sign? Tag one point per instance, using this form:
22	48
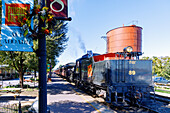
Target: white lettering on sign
58	1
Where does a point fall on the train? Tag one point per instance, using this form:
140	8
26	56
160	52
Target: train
120	77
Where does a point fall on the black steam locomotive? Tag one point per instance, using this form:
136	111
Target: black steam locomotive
119	77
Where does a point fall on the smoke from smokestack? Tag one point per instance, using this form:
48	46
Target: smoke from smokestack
82	44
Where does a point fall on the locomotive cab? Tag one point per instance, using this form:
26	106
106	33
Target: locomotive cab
80	69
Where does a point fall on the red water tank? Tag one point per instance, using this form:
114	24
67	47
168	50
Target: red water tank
119	38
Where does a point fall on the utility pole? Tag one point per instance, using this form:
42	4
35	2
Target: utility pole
42	65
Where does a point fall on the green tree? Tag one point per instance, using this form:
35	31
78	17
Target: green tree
56	43
146	58
166	72
160	66
15	60
32	62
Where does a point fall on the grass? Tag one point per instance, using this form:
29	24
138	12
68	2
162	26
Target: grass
9	87
162	91
18	86
26	86
31	89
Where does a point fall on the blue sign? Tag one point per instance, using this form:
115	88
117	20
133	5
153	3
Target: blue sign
12	38
90	53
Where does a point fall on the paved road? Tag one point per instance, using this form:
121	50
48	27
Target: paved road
63	97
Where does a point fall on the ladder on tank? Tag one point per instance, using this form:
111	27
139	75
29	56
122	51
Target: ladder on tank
120	76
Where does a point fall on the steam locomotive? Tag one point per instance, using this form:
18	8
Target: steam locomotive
120	77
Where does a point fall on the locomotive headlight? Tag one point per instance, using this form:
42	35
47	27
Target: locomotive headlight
128	49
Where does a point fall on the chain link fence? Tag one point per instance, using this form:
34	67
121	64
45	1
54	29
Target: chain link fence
9	107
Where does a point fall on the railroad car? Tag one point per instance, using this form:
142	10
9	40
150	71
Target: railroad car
62	71
66	71
69	68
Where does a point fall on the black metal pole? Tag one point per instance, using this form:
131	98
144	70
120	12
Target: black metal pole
42	66
50	71
19	107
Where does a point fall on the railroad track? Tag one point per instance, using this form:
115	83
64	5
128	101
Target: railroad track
149	109
161	98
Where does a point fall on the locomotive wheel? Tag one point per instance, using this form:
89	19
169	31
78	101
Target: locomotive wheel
133	101
93	91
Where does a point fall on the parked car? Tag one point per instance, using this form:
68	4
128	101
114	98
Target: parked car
34	108
161	80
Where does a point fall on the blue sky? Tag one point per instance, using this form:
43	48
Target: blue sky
92	19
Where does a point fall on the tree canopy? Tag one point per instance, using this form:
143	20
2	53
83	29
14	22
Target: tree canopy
160	66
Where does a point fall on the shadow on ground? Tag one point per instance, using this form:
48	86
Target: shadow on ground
61	86
58	89
70	107
58	86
